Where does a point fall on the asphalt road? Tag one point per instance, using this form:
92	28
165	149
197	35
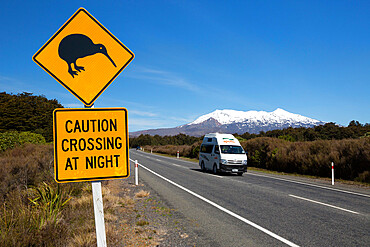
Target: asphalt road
259	209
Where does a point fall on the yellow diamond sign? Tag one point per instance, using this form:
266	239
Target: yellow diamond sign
84	57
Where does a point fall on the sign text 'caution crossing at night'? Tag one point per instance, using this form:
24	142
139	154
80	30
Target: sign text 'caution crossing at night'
84	56
90	144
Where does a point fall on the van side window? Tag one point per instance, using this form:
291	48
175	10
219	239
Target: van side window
209	140
209	148
217	150
206	148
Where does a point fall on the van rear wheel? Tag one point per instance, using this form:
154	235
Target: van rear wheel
202	166
240	174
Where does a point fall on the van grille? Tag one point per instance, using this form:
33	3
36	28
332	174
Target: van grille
235	162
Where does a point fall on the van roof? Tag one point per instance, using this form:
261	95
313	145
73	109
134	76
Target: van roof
221	138
219	135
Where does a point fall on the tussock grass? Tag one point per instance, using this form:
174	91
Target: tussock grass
83	240
142	223
32	203
36	211
142	194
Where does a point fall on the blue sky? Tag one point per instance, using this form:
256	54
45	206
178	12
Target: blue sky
193	57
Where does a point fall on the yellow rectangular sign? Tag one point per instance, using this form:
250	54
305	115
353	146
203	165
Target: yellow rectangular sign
90	144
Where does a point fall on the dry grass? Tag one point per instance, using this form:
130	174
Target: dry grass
130	219
23	223
83	240
142	223
142	194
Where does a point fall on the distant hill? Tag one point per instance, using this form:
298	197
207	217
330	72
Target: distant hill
231	121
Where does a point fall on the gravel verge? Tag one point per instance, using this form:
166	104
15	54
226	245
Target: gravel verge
147	219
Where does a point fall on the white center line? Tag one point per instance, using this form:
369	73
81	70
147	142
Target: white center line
177	165
213	175
225	210
321	203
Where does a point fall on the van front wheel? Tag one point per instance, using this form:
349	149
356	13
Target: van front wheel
214	169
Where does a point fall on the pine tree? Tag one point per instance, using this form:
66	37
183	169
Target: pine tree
26	112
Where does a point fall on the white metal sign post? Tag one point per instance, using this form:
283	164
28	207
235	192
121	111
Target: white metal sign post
101	238
99	214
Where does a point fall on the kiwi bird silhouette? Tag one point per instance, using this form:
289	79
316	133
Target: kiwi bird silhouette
75	46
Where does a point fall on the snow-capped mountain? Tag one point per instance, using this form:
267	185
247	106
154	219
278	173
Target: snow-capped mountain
278	116
231	121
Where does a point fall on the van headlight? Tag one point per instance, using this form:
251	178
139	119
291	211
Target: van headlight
244	162
224	162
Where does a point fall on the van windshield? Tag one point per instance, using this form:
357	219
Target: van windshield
229	149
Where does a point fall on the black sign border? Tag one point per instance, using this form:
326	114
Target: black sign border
34	58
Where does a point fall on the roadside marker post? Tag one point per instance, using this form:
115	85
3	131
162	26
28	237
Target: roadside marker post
136	173
178	154
332	173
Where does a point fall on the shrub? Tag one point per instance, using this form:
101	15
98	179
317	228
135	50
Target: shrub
363	177
351	157
29	137
184	150
11	139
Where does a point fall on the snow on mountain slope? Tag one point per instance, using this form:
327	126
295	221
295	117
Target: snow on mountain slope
277	116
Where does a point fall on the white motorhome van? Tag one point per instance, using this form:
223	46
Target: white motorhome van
222	152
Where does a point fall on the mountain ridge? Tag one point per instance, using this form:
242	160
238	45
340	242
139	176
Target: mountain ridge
232	121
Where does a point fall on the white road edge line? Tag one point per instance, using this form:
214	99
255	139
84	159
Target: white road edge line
313	185
321	203
224	209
